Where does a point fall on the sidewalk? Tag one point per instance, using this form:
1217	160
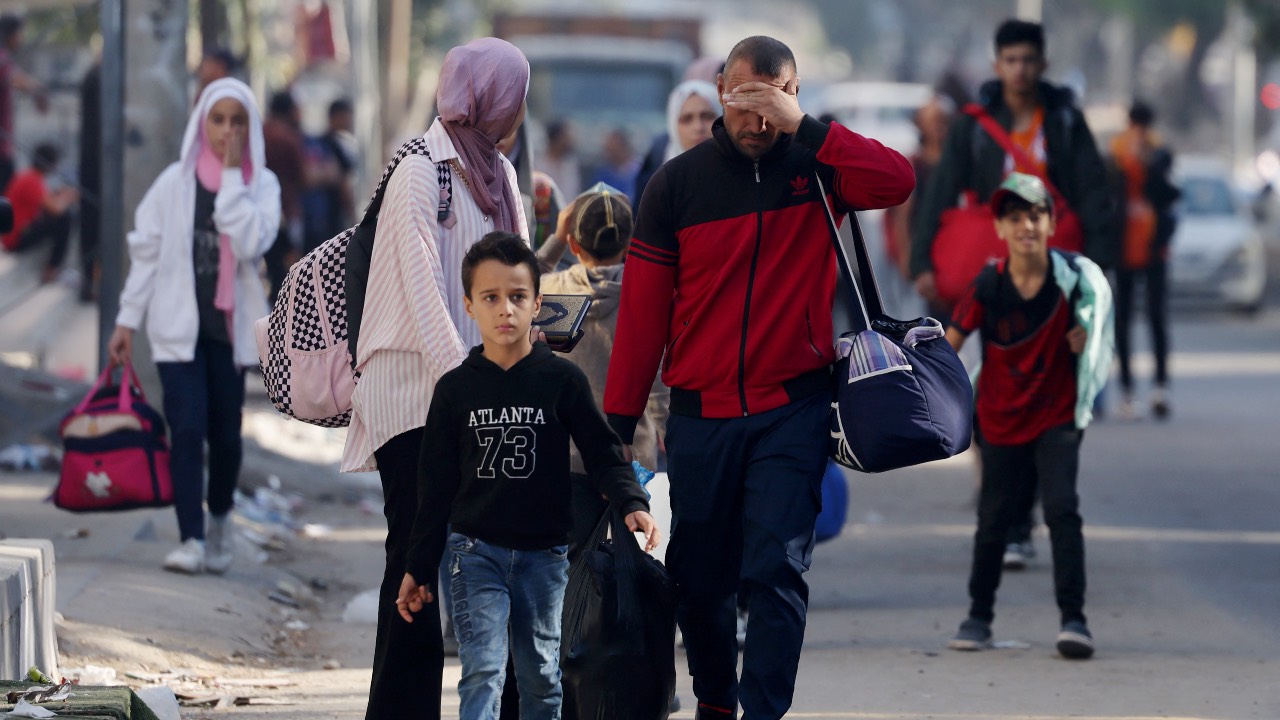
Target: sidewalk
120	610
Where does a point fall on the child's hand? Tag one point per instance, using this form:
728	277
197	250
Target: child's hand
641	521
564	223
1075	339
412	597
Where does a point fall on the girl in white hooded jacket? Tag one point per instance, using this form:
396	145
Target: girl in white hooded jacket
199	235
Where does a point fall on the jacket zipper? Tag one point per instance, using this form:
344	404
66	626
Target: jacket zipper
746	307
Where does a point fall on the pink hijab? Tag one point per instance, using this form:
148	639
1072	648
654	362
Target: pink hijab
482	87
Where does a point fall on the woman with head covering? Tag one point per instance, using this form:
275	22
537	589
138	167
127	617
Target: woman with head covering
692	107
198	239
414	327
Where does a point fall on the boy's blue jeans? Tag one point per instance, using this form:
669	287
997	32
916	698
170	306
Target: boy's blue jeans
495	588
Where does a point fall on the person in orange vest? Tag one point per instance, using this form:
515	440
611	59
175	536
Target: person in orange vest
1141	178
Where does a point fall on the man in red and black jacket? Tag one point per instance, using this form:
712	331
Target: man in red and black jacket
729	284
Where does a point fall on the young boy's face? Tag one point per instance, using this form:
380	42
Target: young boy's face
1026	229
502	302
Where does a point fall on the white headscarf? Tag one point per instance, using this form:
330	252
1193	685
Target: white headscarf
193	138
675	102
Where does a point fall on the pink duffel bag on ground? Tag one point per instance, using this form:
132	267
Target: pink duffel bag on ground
115	450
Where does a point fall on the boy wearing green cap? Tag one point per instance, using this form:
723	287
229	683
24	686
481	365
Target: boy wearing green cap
1045	319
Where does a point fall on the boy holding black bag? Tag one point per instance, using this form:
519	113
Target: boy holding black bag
495	467
1045	317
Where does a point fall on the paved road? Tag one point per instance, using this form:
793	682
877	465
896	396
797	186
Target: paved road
1183	544
1184	570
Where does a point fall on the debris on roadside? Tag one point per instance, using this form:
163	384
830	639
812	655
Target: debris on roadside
94	675
291	594
316	530
24	709
362	609
41	693
162	701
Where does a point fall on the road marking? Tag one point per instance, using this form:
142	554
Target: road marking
1091	532
984	715
15	493
1212	364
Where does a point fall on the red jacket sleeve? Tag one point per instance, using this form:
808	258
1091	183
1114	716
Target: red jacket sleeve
648	284
868	175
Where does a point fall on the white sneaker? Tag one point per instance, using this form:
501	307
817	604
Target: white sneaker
188	558
1016	555
1128	409
219	544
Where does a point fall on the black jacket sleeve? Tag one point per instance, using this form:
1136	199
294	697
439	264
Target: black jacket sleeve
946	183
1093	203
600	447
439	475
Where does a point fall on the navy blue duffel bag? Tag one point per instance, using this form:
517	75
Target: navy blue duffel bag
902	396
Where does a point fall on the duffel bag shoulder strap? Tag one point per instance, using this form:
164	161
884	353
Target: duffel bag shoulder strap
864	298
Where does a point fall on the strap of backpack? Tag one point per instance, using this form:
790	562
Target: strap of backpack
1001	136
416	146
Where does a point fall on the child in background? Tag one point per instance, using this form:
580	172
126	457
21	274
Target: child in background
495	469
195	255
1045	318
597	227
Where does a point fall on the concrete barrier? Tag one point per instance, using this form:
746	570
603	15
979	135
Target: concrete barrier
17	619
27	607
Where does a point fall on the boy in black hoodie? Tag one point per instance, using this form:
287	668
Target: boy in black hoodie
495	467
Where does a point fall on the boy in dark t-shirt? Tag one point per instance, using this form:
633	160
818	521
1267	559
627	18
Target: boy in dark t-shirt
495	468
1029	432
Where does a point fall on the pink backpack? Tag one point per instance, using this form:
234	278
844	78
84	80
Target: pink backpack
306	344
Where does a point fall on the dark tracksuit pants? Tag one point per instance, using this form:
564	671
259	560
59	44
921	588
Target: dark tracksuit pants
1155	277
408	658
1011	474
745	493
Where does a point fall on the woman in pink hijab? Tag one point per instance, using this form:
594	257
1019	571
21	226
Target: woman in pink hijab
414	328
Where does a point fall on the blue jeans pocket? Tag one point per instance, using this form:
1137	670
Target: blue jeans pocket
461	543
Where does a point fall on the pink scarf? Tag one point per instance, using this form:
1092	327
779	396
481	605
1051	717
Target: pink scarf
209	174
482	88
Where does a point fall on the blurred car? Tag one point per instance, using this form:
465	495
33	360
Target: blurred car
1217	253
884	111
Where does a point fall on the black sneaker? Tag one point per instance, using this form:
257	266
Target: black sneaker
974	634
1075	642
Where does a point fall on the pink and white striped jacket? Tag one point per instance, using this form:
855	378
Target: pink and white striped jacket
414	327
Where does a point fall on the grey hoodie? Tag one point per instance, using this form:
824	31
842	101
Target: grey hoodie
604	285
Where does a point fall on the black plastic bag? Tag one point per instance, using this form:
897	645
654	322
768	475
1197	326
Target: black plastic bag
617	646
